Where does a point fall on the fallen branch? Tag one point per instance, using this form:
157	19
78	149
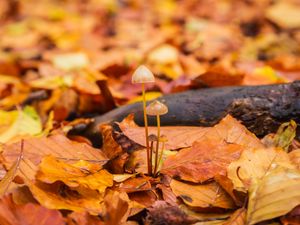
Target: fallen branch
260	108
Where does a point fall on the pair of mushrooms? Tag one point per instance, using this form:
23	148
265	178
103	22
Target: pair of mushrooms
143	75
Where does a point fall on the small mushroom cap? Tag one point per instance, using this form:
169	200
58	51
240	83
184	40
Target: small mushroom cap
142	75
152	137
163	138
156	108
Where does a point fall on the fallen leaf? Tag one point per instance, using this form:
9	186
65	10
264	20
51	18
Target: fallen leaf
291	18
254	164
227	185
295	157
237	218
33	214
283	137
273	195
171	214
230	130
135	184
56	145
75	175
60	196
202	195
202	161
70	61
18	124
145	198
83	218
178	137
10	175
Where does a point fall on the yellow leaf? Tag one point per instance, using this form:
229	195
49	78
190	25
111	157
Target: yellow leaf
16	124
273	195
71	61
149	96
254	164
79	174
202	195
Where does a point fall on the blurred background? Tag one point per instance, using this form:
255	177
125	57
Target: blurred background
76	57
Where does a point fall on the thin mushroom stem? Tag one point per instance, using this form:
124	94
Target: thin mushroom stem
157	143
146	130
161	152
151	158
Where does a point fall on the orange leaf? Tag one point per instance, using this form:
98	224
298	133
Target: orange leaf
57	145
33	214
202	161
202	195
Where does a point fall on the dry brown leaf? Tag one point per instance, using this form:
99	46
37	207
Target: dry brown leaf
135	184
202	195
230	130
162	212
237	218
254	164
57	145
76	175
178	137
202	161
33	214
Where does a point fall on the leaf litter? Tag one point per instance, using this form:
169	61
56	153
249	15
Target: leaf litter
61	62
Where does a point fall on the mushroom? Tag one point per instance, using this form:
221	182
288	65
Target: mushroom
156	108
163	139
143	75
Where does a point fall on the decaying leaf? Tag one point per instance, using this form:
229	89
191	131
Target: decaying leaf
273	195
202	161
254	164
171	214
283	137
202	195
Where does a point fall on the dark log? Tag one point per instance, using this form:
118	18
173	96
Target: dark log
260	108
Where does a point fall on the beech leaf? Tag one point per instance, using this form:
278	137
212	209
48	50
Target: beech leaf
273	195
